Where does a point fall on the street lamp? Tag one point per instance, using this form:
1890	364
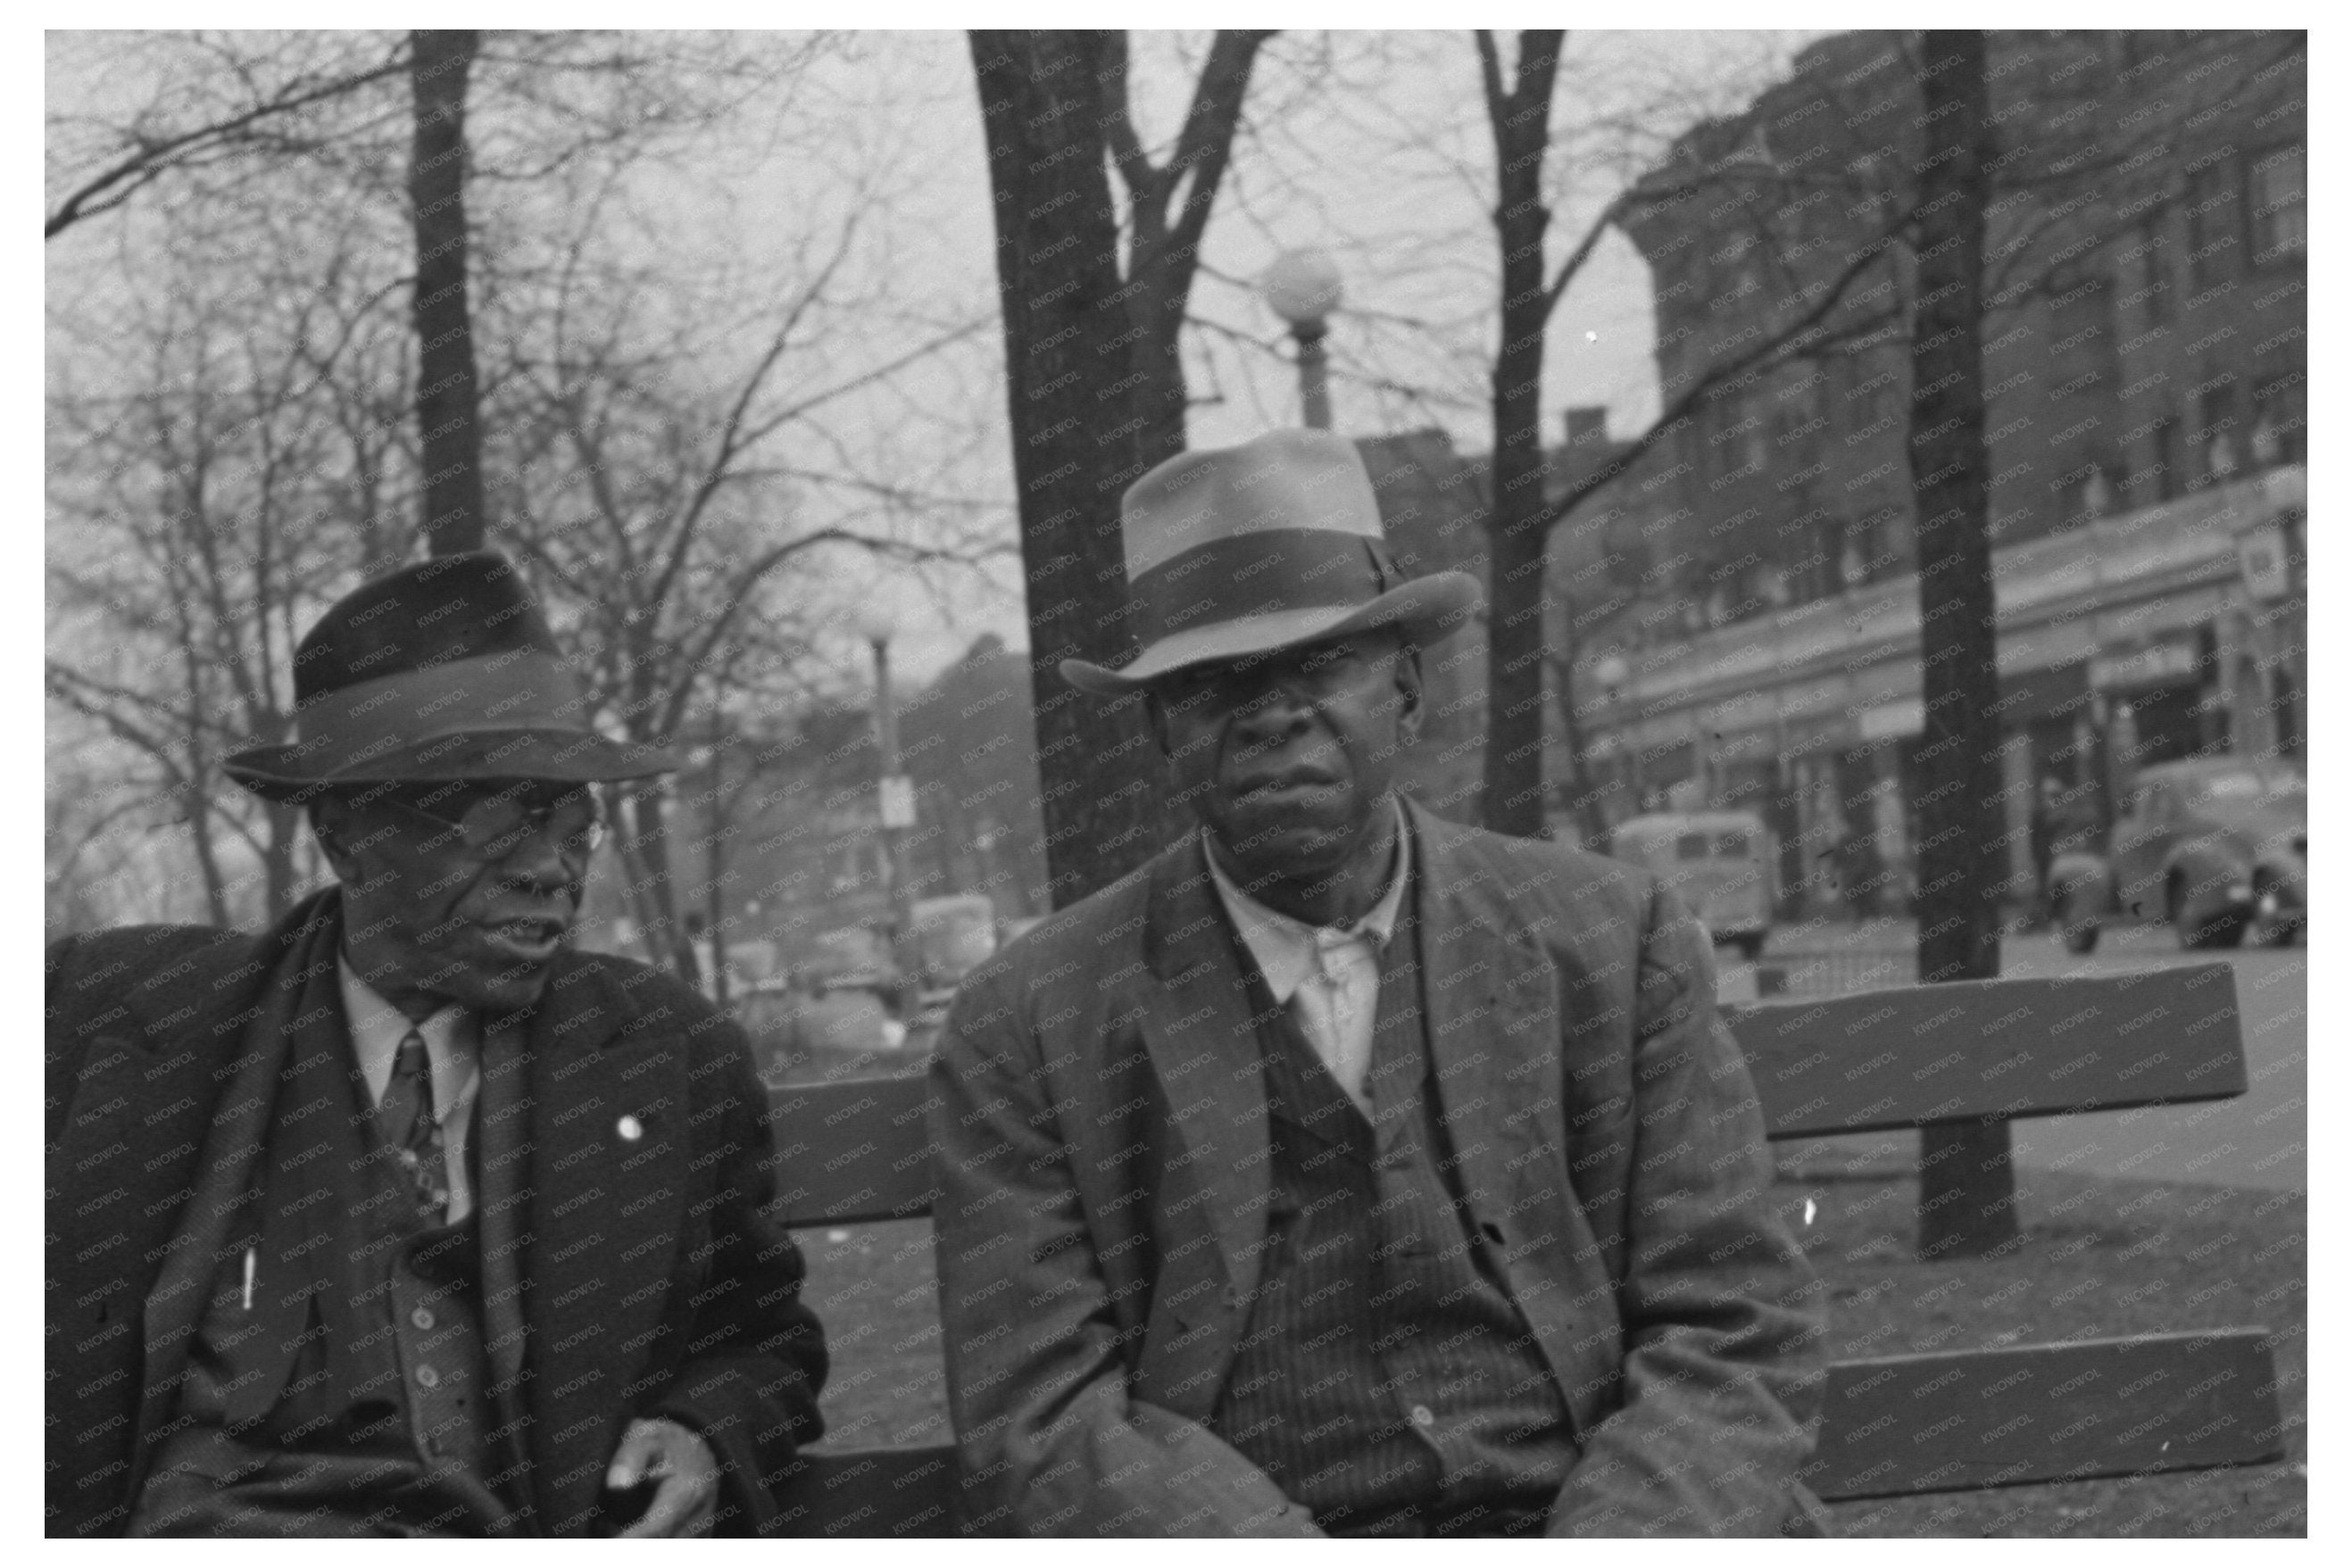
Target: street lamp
1303	288
895	791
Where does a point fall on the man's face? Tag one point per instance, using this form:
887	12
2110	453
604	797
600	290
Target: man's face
1288	757
436	914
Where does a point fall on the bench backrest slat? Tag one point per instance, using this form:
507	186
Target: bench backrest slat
1970	1048
857	1151
852	1153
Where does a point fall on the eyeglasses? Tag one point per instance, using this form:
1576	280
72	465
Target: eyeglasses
495	826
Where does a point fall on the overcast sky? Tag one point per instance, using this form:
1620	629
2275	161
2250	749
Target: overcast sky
1372	146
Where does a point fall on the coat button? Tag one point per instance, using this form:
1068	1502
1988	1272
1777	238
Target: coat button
428	1377
630	1129
1424	1417
423	1318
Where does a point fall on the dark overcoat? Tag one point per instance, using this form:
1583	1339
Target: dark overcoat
1102	1144
626	1164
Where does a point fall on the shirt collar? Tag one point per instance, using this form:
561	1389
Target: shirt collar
1287	950
452	1039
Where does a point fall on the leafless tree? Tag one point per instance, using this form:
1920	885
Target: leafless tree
215	107
1967	1194
1093	292
687	523
209	501
448	401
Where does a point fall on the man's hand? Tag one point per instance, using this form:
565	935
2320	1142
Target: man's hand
685	1470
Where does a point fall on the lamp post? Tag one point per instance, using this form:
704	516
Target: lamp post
1612	672
1303	288
895	792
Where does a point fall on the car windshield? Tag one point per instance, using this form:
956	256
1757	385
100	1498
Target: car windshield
2281	791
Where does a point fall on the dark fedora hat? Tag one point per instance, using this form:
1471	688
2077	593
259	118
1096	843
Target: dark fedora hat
440	670
1267	545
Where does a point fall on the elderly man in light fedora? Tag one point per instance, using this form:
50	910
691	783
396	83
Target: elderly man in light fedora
1345	1171
403	1219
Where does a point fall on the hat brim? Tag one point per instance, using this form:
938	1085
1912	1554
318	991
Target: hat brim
288	776
1427	610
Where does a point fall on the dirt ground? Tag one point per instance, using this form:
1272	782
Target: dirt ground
2098	1256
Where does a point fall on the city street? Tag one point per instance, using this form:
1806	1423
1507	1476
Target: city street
2255	1140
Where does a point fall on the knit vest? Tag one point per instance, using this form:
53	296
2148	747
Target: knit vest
1386	1378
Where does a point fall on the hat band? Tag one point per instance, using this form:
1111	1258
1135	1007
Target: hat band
1261	573
522	689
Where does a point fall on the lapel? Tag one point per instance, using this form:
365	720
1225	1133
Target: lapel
1490	1006
602	1124
295	1000
1204	1047
501	1152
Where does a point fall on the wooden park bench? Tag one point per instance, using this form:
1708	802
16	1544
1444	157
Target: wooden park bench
856	1153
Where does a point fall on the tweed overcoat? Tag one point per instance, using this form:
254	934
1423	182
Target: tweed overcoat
629	1269
1100	1134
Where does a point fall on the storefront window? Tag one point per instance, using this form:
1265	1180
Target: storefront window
2278	196
2213	223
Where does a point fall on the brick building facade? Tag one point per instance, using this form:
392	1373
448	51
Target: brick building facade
2144	347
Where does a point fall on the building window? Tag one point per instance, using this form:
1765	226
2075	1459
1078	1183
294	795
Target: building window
2082	339
2171	474
2148	279
2213	212
2217	434
2277	435
2277	188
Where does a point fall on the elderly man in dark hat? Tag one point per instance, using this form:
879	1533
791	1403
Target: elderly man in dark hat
403	1219
1345	1171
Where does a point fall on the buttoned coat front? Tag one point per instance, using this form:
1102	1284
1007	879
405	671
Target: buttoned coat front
1101	1137
624	1158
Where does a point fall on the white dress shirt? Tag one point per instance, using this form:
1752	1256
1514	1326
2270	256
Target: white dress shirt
453	1049
1328	978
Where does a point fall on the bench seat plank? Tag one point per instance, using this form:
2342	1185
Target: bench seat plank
864	1493
1890	1427
1877	1060
1956	1421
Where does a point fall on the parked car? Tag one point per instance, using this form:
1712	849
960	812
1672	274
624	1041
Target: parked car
1721	863
953	934
838	1012
2213	846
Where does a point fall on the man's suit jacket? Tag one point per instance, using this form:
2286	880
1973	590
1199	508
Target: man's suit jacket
1101	1139
625	1159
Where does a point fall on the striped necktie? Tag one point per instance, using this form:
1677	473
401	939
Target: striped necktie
409	1125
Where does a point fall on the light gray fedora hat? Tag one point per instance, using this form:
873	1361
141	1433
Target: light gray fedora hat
1246	549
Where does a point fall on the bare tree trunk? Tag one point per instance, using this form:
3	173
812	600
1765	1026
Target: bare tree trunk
1058	267
1966	1190
714	899
622	816
284	826
448	405
1516	520
665	934
199	818
1096	390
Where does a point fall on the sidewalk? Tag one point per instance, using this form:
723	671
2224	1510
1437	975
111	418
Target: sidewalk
1879	934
